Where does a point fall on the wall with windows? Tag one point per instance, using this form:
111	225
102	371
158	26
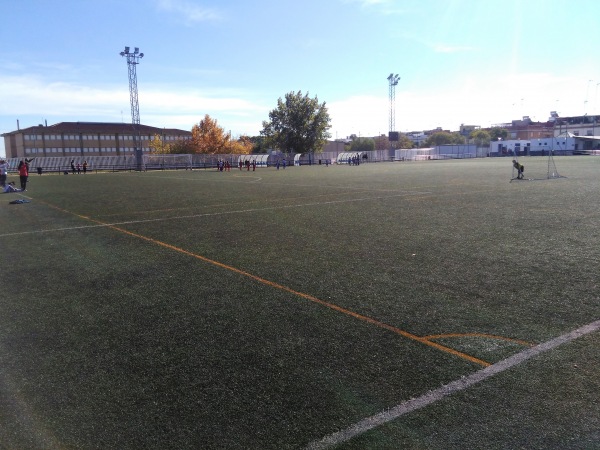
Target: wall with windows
33	145
83	138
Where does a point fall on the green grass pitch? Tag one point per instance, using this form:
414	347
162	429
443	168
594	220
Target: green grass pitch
269	309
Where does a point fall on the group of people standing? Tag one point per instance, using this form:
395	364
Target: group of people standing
247	164
22	168
354	161
223	166
76	168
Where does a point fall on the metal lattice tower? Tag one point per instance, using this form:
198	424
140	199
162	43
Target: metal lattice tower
393	80
133	59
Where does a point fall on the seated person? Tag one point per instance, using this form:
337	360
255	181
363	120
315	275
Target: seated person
10	187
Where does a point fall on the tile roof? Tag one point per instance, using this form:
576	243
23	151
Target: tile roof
97	127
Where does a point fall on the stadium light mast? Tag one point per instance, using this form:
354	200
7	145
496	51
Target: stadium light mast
393	81
133	59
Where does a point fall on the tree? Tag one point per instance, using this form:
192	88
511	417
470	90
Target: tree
299	124
362	145
209	137
183	146
405	142
158	145
259	144
382	142
497	132
241	146
444	138
481	137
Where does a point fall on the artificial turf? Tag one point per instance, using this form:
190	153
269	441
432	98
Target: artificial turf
198	309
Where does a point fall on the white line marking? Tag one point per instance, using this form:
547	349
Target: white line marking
437	394
194	216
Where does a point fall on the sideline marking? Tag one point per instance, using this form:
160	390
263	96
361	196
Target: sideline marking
437	394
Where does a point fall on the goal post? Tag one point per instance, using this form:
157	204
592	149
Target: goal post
536	168
167	162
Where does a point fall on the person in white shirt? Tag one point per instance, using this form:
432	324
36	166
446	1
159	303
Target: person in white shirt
10	187
3	172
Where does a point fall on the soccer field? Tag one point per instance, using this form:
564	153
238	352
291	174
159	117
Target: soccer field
430	304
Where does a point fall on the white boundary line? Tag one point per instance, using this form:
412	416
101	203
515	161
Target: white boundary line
194	216
437	394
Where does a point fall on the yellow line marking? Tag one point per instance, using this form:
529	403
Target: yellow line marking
406	334
310	298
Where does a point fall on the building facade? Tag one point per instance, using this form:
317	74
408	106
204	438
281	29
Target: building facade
577	125
84	139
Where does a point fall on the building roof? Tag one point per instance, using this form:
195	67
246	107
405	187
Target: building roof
96	127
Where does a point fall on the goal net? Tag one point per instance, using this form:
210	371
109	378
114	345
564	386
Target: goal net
167	162
536	168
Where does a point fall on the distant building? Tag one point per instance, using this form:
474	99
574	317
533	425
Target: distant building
418	137
466	130
84	139
546	135
577	125
526	129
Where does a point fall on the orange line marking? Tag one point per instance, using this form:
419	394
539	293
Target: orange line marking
406	334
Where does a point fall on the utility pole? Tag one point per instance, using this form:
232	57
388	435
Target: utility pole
133	59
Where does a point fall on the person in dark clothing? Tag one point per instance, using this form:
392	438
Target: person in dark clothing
520	169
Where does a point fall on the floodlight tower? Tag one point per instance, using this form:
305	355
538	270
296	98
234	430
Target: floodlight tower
393	81
133	59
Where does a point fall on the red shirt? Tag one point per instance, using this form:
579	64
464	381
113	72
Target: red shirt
23	170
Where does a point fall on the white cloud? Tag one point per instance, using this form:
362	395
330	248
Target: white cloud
189	11
33	98
480	99
360	115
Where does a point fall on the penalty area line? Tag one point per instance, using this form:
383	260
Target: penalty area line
438	394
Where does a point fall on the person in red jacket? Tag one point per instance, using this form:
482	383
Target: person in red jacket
23	169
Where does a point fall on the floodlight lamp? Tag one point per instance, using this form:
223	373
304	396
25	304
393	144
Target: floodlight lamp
126	49
141	55
122	53
136	50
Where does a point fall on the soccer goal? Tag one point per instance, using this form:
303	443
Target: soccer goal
535	168
167	162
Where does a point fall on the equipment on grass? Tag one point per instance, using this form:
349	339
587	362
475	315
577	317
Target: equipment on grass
538	168
167	162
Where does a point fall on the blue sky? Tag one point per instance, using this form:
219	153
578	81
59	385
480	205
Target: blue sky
460	61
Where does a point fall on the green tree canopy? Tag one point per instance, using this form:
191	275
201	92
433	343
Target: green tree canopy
362	144
444	138
405	142
299	124
497	132
481	137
